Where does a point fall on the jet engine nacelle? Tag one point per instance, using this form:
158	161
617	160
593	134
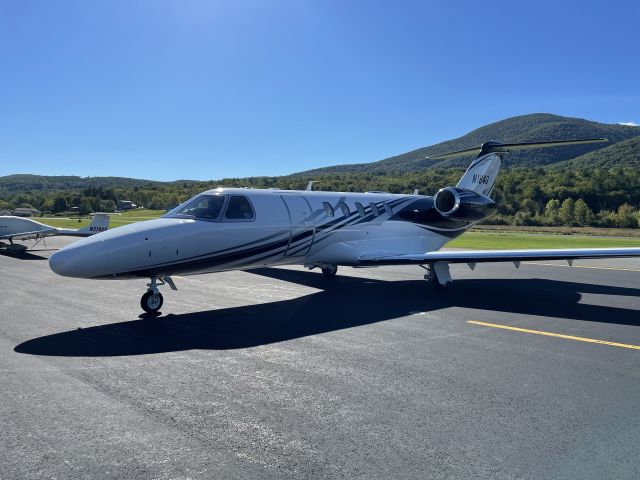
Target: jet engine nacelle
462	204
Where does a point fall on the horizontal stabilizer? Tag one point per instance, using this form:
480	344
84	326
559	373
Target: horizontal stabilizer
497	147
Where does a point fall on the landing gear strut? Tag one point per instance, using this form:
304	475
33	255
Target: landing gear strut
151	301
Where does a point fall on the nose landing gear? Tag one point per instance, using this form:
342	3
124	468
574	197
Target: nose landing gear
152	300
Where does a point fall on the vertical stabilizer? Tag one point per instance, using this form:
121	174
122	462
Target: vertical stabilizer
481	174
100	223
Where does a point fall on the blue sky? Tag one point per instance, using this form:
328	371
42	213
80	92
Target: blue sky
207	89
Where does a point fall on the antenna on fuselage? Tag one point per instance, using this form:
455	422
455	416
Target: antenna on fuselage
310	185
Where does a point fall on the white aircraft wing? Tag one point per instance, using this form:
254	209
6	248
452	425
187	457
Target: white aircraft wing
28	235
480	256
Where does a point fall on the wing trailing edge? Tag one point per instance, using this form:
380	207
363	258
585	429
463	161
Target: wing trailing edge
486	256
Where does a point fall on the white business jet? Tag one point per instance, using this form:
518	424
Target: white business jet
20	228
230	228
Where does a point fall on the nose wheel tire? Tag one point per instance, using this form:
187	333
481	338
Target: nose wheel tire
330	271
151	302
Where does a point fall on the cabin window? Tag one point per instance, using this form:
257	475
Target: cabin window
387	209
205	207
360	209
345	210
239	208
328	209
374	209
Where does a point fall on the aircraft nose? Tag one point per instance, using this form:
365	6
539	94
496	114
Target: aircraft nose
79	260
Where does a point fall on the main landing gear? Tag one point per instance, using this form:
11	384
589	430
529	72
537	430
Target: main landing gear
151	301
329	270
437	275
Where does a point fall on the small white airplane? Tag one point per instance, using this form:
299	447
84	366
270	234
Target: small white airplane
231	228
20	228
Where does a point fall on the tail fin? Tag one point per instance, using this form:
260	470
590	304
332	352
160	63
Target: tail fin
483	171
100	223
481	174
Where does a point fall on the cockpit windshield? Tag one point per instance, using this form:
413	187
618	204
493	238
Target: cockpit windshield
205	207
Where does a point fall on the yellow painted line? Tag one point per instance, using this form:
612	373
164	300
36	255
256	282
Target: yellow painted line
557	335
583	266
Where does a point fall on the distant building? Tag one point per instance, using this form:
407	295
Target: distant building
26	212
6	212
126	205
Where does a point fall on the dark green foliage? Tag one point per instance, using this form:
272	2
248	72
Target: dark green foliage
622	154
60	205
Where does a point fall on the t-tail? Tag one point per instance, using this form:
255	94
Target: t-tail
481	175
99	223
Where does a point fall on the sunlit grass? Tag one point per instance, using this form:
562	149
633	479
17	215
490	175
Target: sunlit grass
117	220
499	241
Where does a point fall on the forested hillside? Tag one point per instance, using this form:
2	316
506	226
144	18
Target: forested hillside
622	154
25	182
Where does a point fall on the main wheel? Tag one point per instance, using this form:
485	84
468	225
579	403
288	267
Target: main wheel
151	302
432	280
330	271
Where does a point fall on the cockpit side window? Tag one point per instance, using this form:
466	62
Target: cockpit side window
204	207
239	208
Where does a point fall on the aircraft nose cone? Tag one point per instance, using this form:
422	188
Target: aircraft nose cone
80	261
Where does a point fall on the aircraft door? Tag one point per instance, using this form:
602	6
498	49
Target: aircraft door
301	216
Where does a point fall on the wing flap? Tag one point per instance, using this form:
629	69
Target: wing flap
484	256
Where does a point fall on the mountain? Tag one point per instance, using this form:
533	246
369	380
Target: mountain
526	128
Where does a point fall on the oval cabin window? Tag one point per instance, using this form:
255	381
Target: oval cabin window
328	209
345	209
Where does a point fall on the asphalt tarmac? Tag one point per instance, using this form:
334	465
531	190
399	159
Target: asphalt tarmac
279	373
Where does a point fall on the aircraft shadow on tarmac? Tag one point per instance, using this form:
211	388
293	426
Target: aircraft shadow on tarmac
344	302
23	255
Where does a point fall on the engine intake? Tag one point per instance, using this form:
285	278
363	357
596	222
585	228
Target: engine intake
447	201
462	204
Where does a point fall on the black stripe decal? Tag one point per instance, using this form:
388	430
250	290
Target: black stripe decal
215	259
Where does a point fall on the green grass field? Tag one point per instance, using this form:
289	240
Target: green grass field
124	218
481	240
498	241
